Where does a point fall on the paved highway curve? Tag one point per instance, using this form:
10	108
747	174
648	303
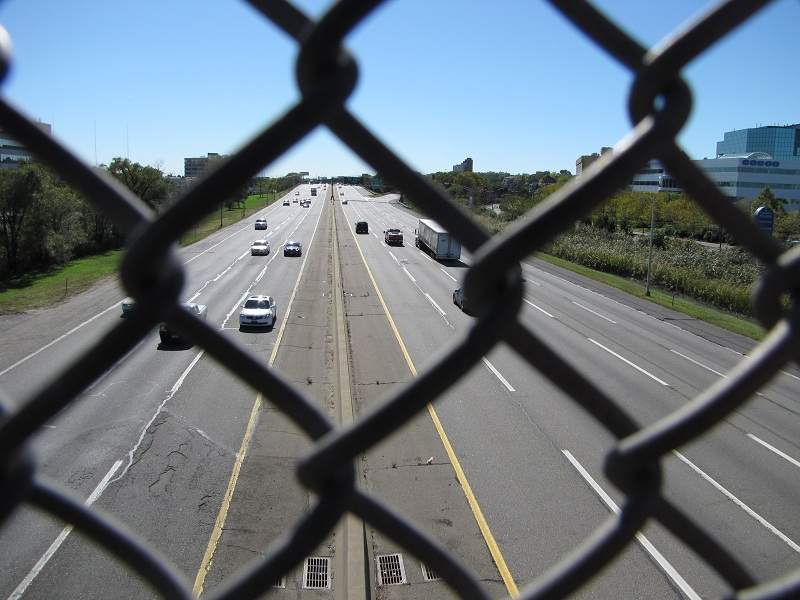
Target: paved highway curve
154	441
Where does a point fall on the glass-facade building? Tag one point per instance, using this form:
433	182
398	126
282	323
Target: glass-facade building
781	142
738	177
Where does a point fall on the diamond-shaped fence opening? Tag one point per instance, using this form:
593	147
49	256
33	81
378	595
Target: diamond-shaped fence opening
327	75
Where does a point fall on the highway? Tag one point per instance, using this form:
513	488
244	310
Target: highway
155	440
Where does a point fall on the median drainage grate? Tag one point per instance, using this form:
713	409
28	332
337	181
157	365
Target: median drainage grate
317	573
429	574
280	583
391	570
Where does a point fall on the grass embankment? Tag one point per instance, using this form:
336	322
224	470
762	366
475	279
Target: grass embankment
682	304
37	290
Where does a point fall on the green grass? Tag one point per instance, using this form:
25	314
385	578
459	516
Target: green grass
680	304
211	223
37	290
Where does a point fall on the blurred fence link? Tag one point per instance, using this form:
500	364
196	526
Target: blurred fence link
659	104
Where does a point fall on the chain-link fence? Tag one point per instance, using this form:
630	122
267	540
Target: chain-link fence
659	105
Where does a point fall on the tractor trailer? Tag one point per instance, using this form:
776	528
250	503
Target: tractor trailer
433	239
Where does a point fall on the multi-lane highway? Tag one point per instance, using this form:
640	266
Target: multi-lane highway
155	441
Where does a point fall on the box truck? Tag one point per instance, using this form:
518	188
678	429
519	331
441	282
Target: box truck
433	239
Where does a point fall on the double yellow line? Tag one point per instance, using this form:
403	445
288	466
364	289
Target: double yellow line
491	543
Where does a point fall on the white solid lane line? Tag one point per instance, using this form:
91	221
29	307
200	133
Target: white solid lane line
436	306
497	374
738	502
448	274
699	364
539	308
394	257
40	564
597	314
626	361
783	455
410	276
665	565
101	313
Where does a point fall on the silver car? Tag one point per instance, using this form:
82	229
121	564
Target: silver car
170	336
258	311
259	248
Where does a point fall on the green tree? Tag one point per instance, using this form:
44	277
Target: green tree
767	198
146	182
20	191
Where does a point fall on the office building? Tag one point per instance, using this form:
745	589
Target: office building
738	177
12	152
196	167
585	160
781	142
463	167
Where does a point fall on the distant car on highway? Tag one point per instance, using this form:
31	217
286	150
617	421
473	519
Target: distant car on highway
362	227
170	336
297	192
286	202
458	300
258	311
261	224
127	306
292	248
260	248
393	237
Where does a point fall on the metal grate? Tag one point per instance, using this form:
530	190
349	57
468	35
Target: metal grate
429	574
317	573
659	105
280	583
390	569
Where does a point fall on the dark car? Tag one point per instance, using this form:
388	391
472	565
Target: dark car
292	248
261	224
458	300
362	227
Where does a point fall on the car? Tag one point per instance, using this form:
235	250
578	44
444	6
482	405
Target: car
260	248
362	227
258	311
294	201
127	306
297	192
292	248
170	336
286	202
261	224
393	237
344	200
458	300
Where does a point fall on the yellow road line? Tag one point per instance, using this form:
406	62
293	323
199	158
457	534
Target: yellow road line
491	543
222	515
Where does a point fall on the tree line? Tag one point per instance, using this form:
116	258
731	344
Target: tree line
45	223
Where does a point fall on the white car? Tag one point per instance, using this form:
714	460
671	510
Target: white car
286	202
258	311
259	248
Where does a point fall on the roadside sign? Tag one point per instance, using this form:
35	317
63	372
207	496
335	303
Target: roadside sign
765	219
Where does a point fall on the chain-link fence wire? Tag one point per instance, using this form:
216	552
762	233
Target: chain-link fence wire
659	105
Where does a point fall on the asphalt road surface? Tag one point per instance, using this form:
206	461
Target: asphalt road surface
155	440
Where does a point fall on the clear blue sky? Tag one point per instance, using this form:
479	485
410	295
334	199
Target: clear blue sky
509	82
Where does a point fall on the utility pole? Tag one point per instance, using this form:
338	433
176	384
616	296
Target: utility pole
650	251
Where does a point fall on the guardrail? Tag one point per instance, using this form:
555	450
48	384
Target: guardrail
659	104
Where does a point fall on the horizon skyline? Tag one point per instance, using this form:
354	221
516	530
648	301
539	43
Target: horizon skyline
518	89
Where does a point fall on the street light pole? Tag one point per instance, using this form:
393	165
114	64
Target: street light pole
650	251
